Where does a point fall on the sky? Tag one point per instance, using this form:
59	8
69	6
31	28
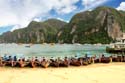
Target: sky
15	14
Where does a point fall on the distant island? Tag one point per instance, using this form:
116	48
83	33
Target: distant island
101	25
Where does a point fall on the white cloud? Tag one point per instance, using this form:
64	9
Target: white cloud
62	19
15	27
90	4
121	7
37	19
21	12
61	8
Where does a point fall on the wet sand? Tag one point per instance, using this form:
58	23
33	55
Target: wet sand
95	73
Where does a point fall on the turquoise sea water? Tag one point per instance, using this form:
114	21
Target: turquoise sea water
48	50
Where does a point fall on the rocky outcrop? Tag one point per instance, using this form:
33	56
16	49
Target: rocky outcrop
102	25
35	32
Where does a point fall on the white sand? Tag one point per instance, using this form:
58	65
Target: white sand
95	73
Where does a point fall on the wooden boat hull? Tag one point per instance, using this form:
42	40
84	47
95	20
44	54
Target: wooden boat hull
54	64
105	60
37	64
21	64
96	61
89	61
75	63
9	63
3	63
85	63
45	64
64	64
31	64
118	59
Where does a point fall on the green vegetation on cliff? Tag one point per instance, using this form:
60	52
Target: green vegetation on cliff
35	32
102	25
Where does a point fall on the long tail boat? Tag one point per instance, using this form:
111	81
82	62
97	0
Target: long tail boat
118	58
21	63
45	64
64	63
75	62
54	63
60	62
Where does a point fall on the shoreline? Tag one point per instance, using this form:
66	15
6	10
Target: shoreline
82	66
94	73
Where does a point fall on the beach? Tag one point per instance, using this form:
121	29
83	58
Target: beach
95	73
